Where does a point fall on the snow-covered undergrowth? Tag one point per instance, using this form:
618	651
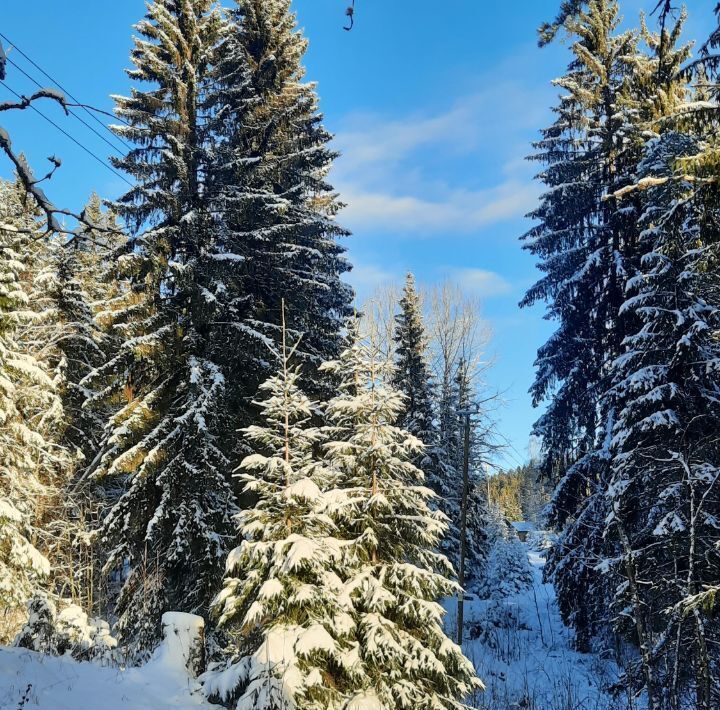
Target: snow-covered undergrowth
33	680
524	655
517	641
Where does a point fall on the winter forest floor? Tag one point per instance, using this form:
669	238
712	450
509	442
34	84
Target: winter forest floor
523	653
519	645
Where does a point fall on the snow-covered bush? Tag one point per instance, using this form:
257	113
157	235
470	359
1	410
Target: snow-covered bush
541	540
508	569
495	627
38	633
183	645
85	638
69	631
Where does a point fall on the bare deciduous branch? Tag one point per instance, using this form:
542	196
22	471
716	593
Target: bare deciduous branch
26	176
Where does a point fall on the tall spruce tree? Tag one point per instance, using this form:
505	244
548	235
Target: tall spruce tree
412	376
577	240
587	247
664	495
477	535
704	166
447	479
629	489
169	530
270	193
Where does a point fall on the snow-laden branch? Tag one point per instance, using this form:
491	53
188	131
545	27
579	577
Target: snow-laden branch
26	101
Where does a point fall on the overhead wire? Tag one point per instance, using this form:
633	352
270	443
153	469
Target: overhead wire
72	113
59	85
68	135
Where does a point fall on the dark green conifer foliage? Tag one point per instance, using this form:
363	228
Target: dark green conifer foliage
586	247
664	493
169	531
276	209
412	376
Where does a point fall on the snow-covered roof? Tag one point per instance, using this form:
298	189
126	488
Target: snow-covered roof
522	526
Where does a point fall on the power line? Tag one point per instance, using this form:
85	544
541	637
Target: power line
119	151
72	138
60	86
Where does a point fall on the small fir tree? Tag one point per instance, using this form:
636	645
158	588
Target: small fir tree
396	575
284	603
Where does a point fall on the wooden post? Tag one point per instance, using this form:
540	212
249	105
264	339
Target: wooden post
463	530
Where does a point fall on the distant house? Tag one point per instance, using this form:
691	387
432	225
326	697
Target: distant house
522	528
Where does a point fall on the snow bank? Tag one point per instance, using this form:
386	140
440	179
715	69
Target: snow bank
183	646
52	683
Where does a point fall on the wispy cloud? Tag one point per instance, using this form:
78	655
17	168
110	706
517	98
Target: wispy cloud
482	283
457	211
410	173
367	278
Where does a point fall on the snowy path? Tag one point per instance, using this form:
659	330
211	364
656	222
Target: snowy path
62	684
523	653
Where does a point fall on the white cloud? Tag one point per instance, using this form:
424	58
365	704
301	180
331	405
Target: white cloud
459	211
475	123
482	283
406	174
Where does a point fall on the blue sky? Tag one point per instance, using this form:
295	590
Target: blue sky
434	106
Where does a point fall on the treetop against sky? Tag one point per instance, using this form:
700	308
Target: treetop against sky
434	110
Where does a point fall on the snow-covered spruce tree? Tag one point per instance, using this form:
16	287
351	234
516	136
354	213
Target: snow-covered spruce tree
79	284
478	539
395	575
284	605
268	183
441	464
55	333
31	466
587	243
70	275
664	495
505	570
446	480
412	376
59	333
78	341
170	528
62	281
38	632
578	243
109	281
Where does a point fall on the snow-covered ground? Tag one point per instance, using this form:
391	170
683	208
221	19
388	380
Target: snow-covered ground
524	653
51	683
519	645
